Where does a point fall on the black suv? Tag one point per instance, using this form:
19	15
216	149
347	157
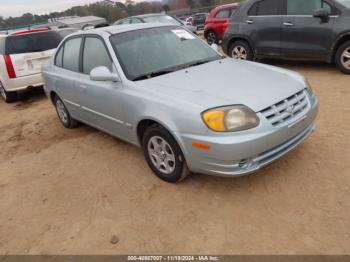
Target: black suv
316	30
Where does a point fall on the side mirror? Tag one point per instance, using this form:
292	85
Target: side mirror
215	47
102	73
322	14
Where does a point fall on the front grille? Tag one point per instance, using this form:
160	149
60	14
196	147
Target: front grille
288	109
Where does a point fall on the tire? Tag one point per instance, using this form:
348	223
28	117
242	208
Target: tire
8	97
63	114
211	37
241	50
160	147
342	58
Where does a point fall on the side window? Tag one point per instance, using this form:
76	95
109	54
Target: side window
224	13
59	57
268	7
253	10
71	54
124	22
95	54
135	21
302	7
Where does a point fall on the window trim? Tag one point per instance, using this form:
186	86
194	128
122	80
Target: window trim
63	45
280	9
224	9
334	11
83	49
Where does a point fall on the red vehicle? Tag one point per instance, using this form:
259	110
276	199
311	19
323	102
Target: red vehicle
217	22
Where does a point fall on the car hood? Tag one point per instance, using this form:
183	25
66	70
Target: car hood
227	82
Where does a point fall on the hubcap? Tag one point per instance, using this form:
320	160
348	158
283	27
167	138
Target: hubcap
239	52
61	110
2	91
345	58
161	155
211	38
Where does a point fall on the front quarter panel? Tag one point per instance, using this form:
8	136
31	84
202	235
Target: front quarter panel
176	116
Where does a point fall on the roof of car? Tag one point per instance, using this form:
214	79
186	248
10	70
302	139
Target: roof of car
117	29
227	6
148	15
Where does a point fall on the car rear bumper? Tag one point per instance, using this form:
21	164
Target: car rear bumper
242	153
23	83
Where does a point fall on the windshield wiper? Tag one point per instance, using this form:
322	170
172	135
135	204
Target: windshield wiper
152	74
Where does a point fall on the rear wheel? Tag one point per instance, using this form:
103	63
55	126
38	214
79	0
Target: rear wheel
63	114
342	58
211	37
164	155
8	97
241	50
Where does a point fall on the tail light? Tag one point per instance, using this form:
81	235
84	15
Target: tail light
9	66
225	26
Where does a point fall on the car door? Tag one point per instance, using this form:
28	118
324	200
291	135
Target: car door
264	18
101	101
219	21
67	71
304	35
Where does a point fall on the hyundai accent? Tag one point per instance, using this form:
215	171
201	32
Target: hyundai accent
191	110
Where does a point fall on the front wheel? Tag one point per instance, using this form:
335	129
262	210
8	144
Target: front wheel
342	58
8	97
164	155
241	50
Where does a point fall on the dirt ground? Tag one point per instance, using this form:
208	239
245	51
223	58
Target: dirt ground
69	191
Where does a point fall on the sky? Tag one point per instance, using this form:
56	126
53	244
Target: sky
19	7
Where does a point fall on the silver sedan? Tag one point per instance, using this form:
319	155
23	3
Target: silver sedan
163	89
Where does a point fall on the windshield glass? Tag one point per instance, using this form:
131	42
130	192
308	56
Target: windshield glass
29	43
161	19
148	52
345	3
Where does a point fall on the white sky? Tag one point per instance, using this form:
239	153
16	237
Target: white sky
19	7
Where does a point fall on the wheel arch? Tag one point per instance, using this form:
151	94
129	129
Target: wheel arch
146	122
239	38
340	40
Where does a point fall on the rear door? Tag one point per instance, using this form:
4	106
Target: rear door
67	71
304	35
264	18
220	19
30	50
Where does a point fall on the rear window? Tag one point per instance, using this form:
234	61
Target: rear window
31	43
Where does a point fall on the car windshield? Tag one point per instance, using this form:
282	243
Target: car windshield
36	42
155	51
161	19
345	3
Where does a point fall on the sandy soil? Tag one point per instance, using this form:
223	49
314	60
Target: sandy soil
69	191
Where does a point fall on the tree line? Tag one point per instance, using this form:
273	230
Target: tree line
110	13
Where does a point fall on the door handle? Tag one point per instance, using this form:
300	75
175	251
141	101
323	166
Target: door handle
250	22
82	88
288	24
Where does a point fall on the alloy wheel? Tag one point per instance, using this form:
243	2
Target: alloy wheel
161	155
239	52
62	112
345	58
211	38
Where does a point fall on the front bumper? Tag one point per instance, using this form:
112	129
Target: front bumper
241	153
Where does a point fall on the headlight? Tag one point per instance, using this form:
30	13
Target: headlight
230	118
308	88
